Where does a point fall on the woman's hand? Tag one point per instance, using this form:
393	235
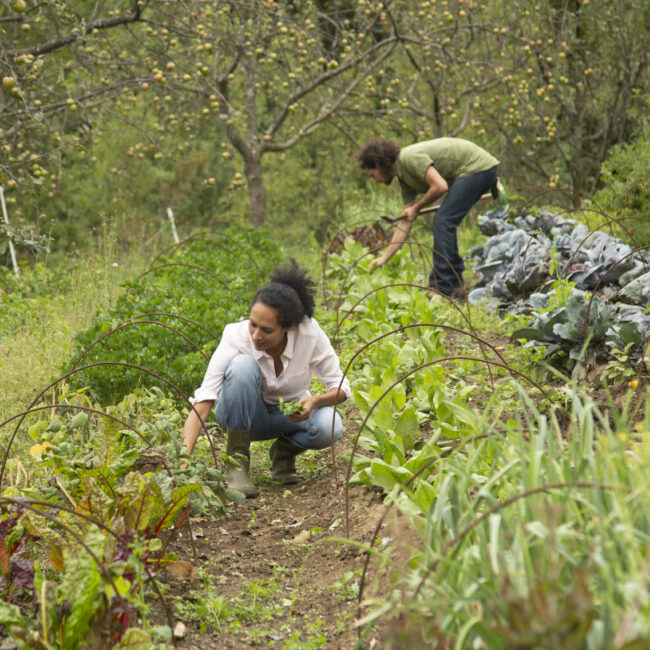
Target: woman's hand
309	403
332	397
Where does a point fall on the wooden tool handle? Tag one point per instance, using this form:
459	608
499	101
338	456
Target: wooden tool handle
430	209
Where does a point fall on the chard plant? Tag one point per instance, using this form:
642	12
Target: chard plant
86	526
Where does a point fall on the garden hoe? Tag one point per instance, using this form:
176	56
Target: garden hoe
497	192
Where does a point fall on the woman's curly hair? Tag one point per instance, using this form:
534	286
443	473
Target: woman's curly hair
290	292
379	153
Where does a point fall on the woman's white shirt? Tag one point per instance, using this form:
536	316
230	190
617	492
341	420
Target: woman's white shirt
308	353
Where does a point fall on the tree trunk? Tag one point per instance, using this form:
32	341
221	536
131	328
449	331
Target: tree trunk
256	189
438	131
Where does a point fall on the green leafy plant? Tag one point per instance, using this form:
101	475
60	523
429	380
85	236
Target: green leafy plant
625	191
528	524
347	588
619	369
169	320
571	330
24	237
85	535
290	407
207	607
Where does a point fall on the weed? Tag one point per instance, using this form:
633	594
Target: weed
316	640
206	607
347	588
619	369
256	636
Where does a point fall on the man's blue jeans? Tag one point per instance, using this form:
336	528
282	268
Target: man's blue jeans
448	265
240	406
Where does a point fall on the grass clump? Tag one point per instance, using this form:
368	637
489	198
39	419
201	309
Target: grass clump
42	310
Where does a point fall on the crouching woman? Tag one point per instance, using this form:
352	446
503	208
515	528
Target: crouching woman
272	355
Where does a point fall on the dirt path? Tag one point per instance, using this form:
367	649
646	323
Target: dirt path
264	577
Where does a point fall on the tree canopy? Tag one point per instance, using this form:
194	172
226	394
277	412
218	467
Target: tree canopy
193	101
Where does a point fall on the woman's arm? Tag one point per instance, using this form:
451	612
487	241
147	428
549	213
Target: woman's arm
330	398
193	424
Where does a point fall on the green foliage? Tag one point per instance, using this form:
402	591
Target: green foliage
158	106
23	237
23	298
412	404
208	608
240	260
533	536
530	531
541	529
625	192
297	216
111	498
42	310
620	368
347	588
134	184
290	407
214	612
572	331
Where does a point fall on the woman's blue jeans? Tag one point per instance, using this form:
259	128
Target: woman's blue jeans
448	265
240	406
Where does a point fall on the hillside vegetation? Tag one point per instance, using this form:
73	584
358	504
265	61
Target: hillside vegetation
158	159
521	494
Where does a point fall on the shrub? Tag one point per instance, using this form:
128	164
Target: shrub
626	191
208	280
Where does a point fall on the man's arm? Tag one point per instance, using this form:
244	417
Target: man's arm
400	235
437	187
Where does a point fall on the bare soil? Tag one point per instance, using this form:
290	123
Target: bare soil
280	583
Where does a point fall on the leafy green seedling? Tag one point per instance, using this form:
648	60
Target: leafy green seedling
290	406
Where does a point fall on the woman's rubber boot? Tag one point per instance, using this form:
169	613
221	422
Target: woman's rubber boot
238	447
283	461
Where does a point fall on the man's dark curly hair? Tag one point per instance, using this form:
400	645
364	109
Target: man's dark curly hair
290	292
379	153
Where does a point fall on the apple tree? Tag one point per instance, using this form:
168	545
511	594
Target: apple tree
267	72
549	87
256	77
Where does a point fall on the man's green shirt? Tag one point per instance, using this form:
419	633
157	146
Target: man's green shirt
452	158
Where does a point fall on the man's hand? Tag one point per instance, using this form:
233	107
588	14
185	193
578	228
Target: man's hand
400	235
409	213
378	261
